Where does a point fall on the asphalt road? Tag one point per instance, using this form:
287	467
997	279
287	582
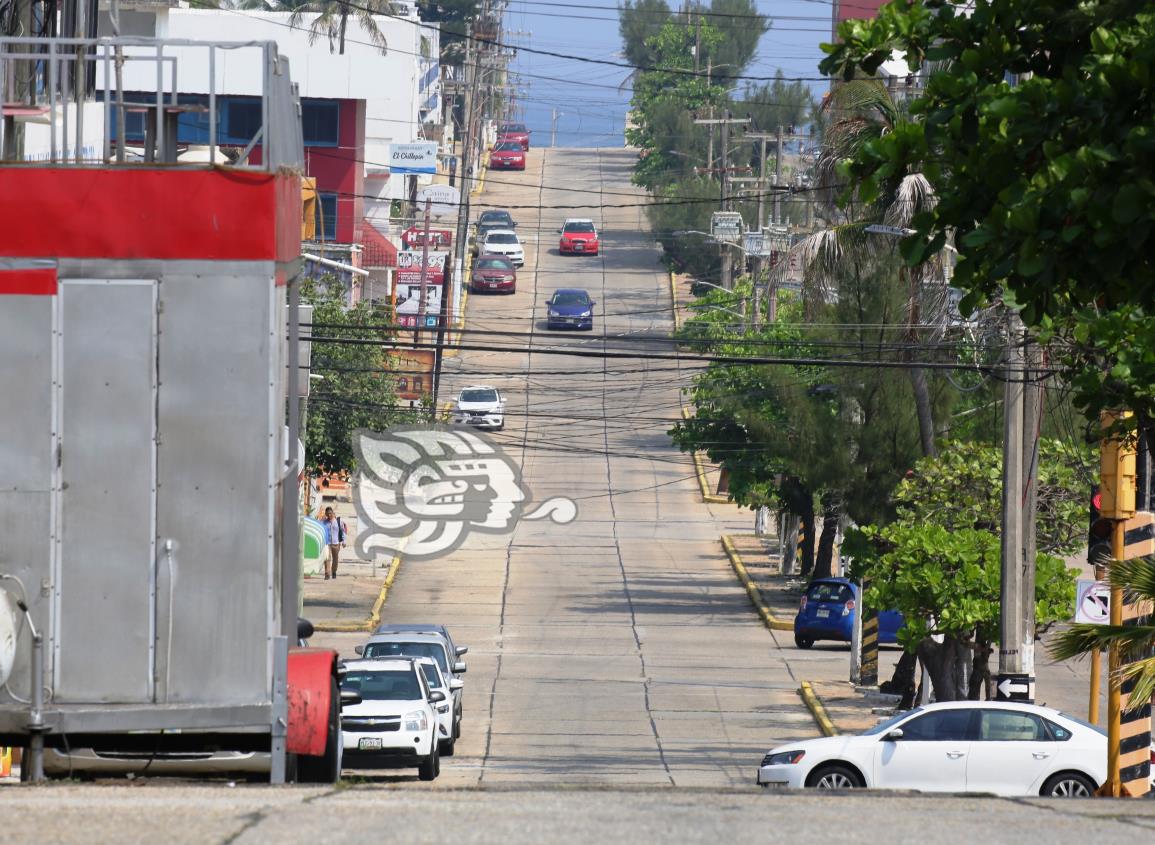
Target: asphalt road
620	689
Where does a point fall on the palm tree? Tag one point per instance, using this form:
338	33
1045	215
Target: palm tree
857	113
332	19
1136	642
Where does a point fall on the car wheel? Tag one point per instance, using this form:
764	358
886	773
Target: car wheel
447	747
1068	785
803	641
327	767
834	777
430	767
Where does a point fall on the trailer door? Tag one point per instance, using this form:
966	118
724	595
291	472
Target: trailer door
106	554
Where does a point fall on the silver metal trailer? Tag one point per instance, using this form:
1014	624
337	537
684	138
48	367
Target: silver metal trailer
146	565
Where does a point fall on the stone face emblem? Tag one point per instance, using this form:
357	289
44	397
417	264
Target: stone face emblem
423	490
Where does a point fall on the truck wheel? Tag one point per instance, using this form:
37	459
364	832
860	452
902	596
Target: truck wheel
430	767
327	767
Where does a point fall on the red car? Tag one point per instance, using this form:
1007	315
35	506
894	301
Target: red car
514	132
579	236
493	273
507	155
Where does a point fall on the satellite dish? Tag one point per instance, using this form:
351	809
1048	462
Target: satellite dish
9	628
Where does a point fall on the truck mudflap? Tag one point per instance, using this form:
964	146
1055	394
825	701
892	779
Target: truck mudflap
311	674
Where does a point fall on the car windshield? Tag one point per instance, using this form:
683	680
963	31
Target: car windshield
513	127
579	227
410	649
494	264
571	298
508	146
885	725
479	395
432	676
495	217
826	591
501	238
384	685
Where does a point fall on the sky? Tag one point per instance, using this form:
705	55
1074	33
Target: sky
590	99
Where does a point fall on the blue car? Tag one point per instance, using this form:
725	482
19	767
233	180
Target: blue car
570	308
827	611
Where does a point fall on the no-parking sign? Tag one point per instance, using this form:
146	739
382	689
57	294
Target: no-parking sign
1093	602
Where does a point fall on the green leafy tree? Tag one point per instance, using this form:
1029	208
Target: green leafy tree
1037	133
638	22
939	561
742	27
356	389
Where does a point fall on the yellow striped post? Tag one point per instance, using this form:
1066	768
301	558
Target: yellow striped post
868	676
1134	726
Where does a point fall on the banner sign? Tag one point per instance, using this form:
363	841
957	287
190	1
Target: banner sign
413	158
409	267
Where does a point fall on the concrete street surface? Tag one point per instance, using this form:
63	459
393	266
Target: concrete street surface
620	687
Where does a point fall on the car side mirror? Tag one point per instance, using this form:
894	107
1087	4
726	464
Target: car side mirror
559	231
894	735
436	696
350	697
462	649
458	668
457	684
593	302
304	628
359	650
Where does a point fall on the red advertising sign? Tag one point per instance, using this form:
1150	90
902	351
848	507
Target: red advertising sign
414	237
409	267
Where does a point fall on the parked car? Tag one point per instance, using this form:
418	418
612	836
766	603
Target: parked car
507	155
570	308
959	746
487	221
422	640
481	406
827	612
503	242
579	236
493	273
396	721
514	132
446	743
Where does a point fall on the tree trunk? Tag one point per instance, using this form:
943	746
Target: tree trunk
788	526
807	525
344	21
902	682
922	405
824	559
981	683
947	664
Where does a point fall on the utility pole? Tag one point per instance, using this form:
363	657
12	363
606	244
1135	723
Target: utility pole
1032	427
1016	678
724	198
553	129
424	273
778	178
466	160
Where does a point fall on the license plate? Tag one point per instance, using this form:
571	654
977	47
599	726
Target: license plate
493	284
579	247
822	614
369	743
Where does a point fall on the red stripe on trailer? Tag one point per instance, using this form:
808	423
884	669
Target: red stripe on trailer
28	282
214	214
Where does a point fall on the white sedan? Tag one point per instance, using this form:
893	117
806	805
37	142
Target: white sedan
960	746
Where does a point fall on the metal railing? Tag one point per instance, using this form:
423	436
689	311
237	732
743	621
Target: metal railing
49	80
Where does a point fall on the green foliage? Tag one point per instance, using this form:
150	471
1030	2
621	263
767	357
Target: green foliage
939	561
1047	183
638	22
741	27
777	103
332	19
355	390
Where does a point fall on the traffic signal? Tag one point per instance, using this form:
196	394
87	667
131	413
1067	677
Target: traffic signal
1098	533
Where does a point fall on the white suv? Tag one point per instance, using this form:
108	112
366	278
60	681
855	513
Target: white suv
480	406
396	721
446	718
504	242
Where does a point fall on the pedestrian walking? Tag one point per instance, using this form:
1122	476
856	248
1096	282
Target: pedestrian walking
334	539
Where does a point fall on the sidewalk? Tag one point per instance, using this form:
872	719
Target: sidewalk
836	704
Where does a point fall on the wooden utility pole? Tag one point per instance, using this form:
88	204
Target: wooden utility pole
724	199
424	274
778	178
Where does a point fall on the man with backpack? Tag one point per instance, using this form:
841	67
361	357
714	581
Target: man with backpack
335	539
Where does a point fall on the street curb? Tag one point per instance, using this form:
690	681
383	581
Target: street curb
674	301
333	626
768	618
817	710
700	472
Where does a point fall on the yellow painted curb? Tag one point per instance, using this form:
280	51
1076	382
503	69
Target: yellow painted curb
674	301
768	618
334	626
817	710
